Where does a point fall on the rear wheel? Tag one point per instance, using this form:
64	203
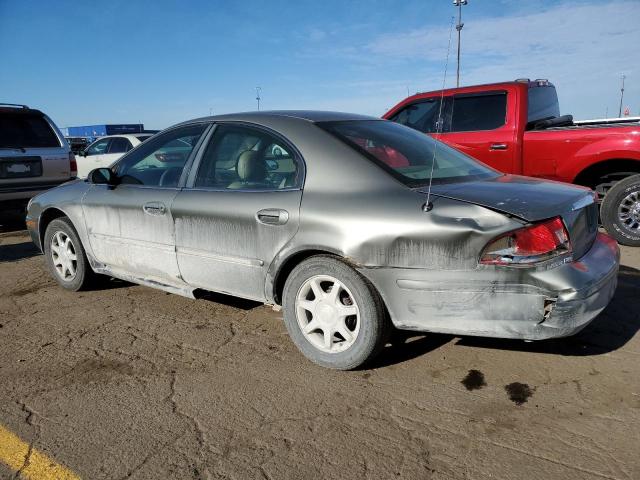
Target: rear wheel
66	257
620	211
333	314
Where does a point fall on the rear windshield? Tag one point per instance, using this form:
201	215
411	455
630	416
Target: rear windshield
543	104
26	130
142	138
407	154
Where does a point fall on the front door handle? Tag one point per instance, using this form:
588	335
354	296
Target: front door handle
498	146
273	216
154	208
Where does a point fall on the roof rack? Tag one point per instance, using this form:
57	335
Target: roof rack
13	105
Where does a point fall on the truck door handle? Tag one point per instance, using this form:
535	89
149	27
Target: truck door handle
273	216
154	208
498	146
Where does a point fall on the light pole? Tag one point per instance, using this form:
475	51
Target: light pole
258	90
621	97
459	4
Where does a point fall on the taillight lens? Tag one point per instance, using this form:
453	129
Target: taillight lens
528	245
73	165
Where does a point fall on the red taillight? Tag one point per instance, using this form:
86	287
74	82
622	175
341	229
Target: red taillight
528	245
73	165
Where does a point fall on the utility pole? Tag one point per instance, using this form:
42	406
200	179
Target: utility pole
258	90
459	4
621	97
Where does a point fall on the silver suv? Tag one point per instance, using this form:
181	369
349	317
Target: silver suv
34	156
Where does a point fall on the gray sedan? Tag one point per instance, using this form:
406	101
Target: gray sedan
354	225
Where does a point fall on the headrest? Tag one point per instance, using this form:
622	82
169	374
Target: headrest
250	167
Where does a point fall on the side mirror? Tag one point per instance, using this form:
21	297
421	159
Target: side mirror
102	176
83	153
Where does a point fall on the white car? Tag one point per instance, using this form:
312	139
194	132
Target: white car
106	150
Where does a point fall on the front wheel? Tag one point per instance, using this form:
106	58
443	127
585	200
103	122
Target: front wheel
65	255
333	314
620	211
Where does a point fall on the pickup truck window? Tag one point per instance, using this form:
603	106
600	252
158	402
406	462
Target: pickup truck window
407	154
478	112
422	116
543	103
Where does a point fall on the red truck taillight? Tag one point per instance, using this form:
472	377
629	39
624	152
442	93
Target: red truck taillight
528	245
73	165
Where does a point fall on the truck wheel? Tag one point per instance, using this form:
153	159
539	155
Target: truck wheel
333	314
620	211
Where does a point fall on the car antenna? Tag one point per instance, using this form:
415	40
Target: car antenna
439	124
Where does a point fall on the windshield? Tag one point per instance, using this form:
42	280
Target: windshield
408	154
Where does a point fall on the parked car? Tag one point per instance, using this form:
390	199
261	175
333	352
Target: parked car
516	127
342	226
77	144
106	150
34	155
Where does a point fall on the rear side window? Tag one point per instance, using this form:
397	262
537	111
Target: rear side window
478	112
543	104
239	157
422	116
119	145
26	130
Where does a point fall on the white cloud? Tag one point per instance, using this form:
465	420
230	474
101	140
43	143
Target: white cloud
582	48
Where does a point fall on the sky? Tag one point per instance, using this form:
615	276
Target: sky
161	62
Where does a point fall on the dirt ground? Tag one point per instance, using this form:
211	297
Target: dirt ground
129	382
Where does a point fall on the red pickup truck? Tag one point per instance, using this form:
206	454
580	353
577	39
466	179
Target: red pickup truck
516	127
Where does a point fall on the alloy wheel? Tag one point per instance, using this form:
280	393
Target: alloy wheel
63	254
327	314
629	212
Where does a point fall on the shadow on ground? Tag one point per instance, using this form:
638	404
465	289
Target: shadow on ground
17	251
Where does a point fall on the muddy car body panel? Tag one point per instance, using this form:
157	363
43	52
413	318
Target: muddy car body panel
419	249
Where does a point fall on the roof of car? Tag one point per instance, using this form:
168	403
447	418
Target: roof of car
308	115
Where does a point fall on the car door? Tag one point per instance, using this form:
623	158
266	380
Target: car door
93	157
130	225
478	126
239	208
117	148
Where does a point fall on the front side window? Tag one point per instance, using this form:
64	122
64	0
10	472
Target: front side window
408	155
245	158
98	147
425	116
478	112
160	162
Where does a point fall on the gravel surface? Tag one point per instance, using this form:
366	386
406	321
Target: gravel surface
130	382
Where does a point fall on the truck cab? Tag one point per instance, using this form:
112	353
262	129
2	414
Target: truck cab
516	127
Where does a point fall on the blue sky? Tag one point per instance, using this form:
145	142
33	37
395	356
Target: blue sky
161	62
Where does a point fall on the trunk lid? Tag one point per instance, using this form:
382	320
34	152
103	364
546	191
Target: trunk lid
532	200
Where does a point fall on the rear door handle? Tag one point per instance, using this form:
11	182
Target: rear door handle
154	208
498	146
273	216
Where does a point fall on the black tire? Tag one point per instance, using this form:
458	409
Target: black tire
374	325
84	276
619	199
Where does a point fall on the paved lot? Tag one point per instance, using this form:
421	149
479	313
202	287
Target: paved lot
128	382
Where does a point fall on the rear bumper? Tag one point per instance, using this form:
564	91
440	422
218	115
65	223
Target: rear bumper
24	191
530	304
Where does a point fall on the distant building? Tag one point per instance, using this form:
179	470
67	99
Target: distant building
94	131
